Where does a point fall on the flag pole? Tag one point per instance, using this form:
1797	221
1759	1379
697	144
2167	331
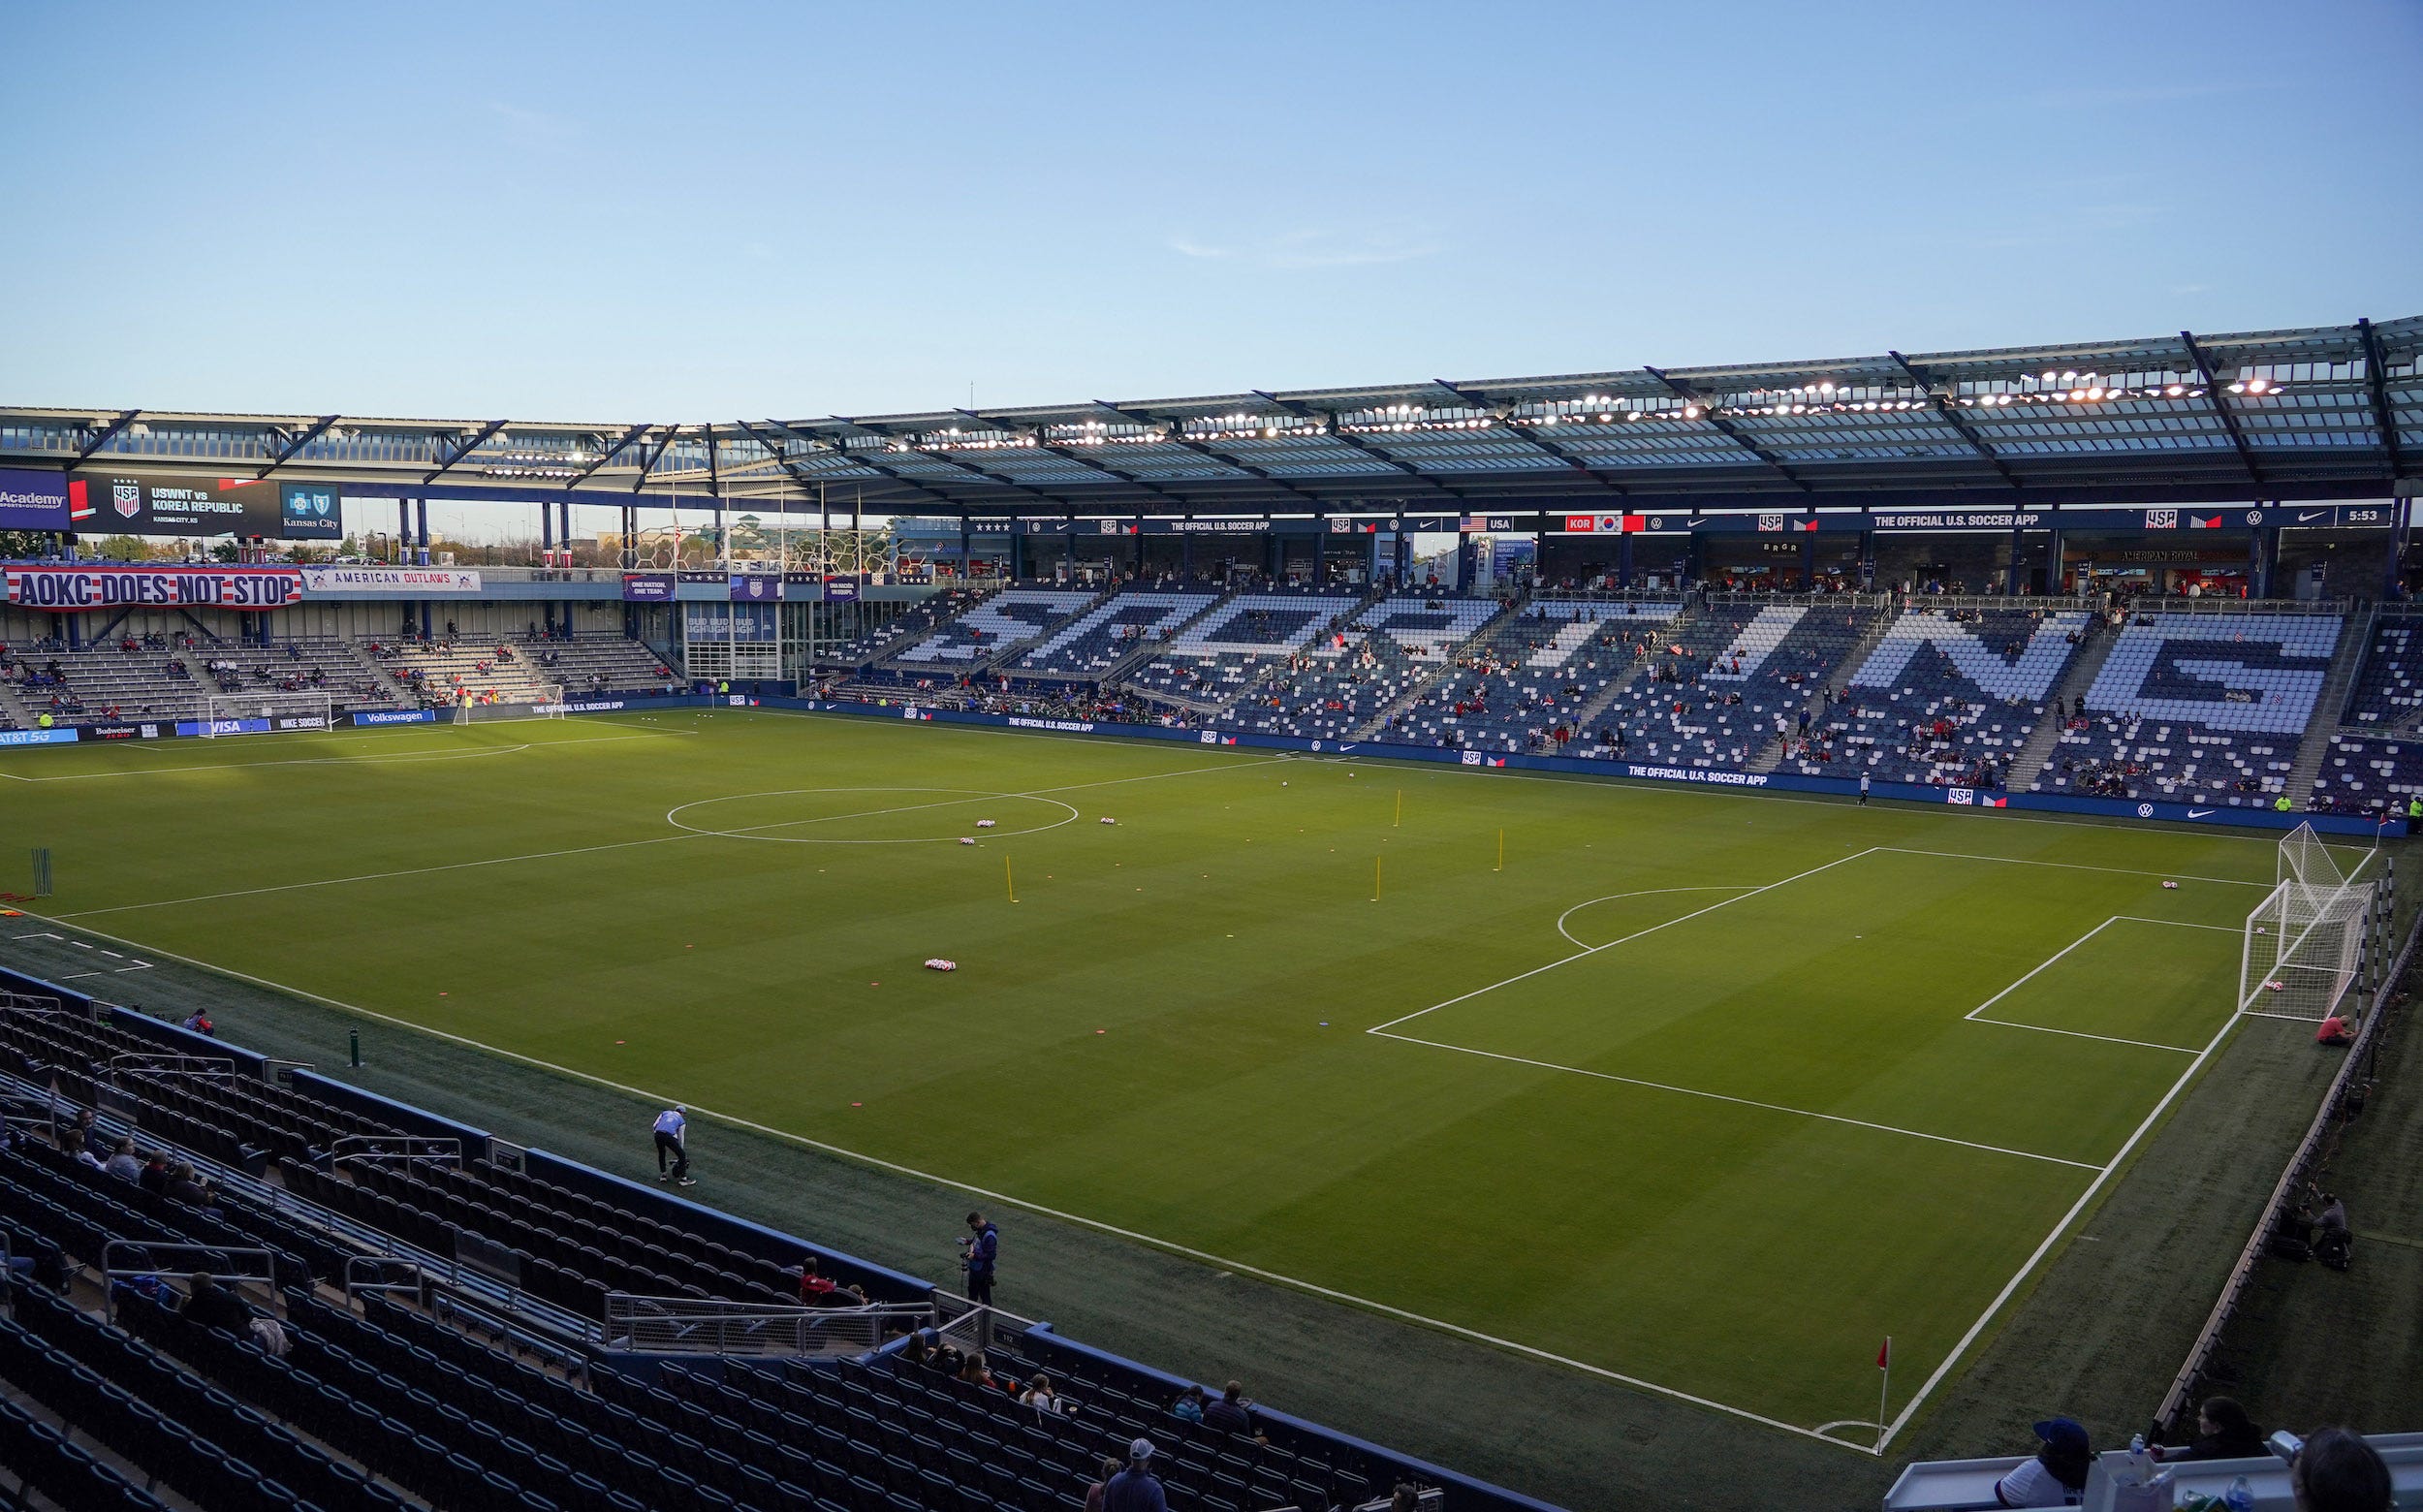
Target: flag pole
1884	1393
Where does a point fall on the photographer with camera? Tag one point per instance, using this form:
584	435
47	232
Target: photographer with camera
978	1254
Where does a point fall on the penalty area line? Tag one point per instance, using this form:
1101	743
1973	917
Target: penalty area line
2011	1287
1170	1247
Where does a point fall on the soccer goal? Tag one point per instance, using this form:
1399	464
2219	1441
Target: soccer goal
2304	943
546	702
255	714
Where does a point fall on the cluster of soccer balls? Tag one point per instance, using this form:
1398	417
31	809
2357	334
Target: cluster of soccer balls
939	963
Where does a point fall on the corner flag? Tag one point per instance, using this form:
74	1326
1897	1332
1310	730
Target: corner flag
1884	1356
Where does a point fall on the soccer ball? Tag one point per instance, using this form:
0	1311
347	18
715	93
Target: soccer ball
966	841
1107	819
2170	887
1282	784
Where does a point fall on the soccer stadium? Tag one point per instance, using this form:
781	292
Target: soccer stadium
1822	931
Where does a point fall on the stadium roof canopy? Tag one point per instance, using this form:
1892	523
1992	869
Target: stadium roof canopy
2334	410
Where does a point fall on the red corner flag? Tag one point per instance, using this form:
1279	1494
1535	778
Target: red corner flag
1884	1356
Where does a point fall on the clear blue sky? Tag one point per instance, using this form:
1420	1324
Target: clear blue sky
700	212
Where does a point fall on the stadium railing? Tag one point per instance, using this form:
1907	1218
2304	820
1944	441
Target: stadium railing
2174	1409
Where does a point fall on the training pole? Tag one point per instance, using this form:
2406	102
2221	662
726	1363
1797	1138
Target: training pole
1400	809
1376	879
1009	879
1502	850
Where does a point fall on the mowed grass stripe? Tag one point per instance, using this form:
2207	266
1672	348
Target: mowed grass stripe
1222	937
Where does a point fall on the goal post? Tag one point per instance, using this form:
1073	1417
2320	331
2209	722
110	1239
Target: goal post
2304	943
546	702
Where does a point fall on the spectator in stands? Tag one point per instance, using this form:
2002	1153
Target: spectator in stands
1040	1396
2338	1471
2223	1431
154	1177
983	1252
1094	1492
123	1163
1405	1498
814	1289
1233	1415
2057	1474
208	1305
89	1139
183	1188
672	1139
199	1022
2336	1030
1136	1488
973	1371
1188	1407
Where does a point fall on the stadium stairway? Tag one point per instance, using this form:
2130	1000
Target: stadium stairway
1588	715
1770	756
1117	672
903	630
2038	749
2355	640
1445	669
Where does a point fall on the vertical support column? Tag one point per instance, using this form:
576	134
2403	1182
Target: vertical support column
547	535
2053	560
1404	558
2263	559
564	538
421	525
966	552
1320	547
2394	562
70	626
1138	559
403	531
1624	560
1809	559
2010	580
1186	555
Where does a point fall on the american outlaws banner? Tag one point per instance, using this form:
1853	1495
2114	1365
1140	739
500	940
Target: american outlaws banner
77	589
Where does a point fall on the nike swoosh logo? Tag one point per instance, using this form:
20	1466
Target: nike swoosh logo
2304	514
2199	813
1343	750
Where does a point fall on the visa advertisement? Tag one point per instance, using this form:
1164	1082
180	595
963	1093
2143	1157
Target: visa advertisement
32	500
114	501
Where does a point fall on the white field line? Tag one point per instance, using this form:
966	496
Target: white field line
576	850
2072	865
347	761
1615	780
1744	1102
2011	1287
1975	1014
1592	949
1643	893
1170	1247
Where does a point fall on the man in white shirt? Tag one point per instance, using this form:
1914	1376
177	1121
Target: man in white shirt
671	1127
2057	1476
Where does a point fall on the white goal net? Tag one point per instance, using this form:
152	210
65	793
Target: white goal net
2305	941
546	702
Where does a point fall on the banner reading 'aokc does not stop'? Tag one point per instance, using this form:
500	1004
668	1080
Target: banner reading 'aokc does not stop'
80	589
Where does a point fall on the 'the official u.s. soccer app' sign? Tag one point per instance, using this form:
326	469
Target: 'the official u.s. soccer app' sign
82	590
117	502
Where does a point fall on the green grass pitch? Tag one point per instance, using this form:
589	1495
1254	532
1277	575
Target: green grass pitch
1710	1091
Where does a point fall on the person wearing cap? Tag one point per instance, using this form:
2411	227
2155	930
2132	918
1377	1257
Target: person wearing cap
670	1126
2057	1476
1134	1488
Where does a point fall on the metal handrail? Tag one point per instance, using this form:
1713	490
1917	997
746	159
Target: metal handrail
110	1273
690	1325
144	1063
394	1146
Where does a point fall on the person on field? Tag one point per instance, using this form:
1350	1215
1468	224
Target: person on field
983	1252
672	1144
2057	1476
1862	790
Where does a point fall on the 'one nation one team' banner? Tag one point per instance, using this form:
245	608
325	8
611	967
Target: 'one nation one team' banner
79	589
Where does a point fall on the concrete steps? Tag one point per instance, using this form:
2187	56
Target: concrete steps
2355	640
1770	756
2029	763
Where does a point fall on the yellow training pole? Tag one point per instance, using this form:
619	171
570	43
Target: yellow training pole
1502	850
1376	879
1009	879
1400	809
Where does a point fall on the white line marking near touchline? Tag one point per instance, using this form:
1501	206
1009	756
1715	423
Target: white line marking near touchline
1592	949
1745	1102
1170	1247
2011	1287
2072	865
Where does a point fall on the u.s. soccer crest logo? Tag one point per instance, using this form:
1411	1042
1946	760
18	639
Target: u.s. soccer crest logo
1770	522
127	498
1961	796
2161	519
